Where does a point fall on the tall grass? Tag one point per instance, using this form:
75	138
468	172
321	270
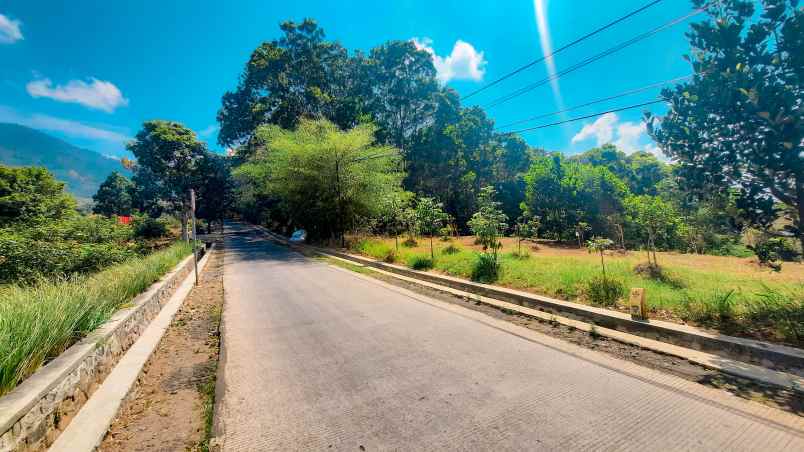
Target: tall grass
40	321
723	298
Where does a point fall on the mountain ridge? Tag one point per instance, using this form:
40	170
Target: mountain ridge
82	170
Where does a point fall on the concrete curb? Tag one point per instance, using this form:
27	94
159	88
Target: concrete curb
89	427
747	350
727	366
712	361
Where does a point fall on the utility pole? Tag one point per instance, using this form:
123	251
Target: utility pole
195	253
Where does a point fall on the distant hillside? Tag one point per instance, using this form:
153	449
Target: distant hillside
83	170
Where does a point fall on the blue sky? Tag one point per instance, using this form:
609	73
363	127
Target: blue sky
91	72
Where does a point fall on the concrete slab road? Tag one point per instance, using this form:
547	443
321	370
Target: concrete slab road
319	358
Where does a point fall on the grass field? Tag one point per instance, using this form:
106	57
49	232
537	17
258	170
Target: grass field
39	322
733	295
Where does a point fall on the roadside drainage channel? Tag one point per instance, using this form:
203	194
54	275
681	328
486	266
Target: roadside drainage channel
716	352
34	413
87	430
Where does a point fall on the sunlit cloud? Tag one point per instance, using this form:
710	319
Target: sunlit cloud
540	6
627	136
10	31
95	94
464	63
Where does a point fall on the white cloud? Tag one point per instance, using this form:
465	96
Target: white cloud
602	129
97	94
630	136
464	63
9	30
65	126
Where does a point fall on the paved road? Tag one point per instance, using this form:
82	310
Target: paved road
319	358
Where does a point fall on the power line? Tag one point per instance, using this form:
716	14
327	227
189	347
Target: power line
555	52
594	58
605	99
630	107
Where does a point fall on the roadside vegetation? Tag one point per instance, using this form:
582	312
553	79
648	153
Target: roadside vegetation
39	321
446	170
732	294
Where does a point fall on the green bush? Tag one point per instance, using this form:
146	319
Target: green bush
451	249
486	269
58	248
420	262
604	291
410	243
781	312
150	228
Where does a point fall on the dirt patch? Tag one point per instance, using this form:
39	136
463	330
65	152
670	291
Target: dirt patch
170	408
771	396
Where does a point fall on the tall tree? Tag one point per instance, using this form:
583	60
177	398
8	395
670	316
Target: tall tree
169	154
737	122
300	75
402	87
321	178
114	196
31	194
215	184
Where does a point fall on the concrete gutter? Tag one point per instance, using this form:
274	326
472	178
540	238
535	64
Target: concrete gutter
714	351
89	427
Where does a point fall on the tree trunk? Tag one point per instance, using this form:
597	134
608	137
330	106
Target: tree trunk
432	256
800	201
602	264
184	220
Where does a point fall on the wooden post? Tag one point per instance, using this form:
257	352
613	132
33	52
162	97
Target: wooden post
639	311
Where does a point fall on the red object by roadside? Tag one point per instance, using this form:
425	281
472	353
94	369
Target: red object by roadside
124	219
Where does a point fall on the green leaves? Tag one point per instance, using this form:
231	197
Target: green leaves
489	222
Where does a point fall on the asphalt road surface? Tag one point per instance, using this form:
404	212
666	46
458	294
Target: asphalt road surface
320	358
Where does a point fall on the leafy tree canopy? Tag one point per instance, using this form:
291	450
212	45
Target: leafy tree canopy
30	195
114	196
322	179
737	122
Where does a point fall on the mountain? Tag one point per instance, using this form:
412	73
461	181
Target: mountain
81	169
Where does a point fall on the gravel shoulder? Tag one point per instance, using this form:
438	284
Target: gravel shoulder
171	407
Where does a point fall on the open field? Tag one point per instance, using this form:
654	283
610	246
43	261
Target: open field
733	295
39	322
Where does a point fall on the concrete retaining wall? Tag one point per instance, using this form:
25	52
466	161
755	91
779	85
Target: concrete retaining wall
34	413
762	353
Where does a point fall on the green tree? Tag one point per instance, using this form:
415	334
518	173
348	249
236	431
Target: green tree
168	153
489	222
401	91
655	217
31	195
319	177
737	122
524	229
600	245
300	75
564	193
430	216
114	196
214	184
393	213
